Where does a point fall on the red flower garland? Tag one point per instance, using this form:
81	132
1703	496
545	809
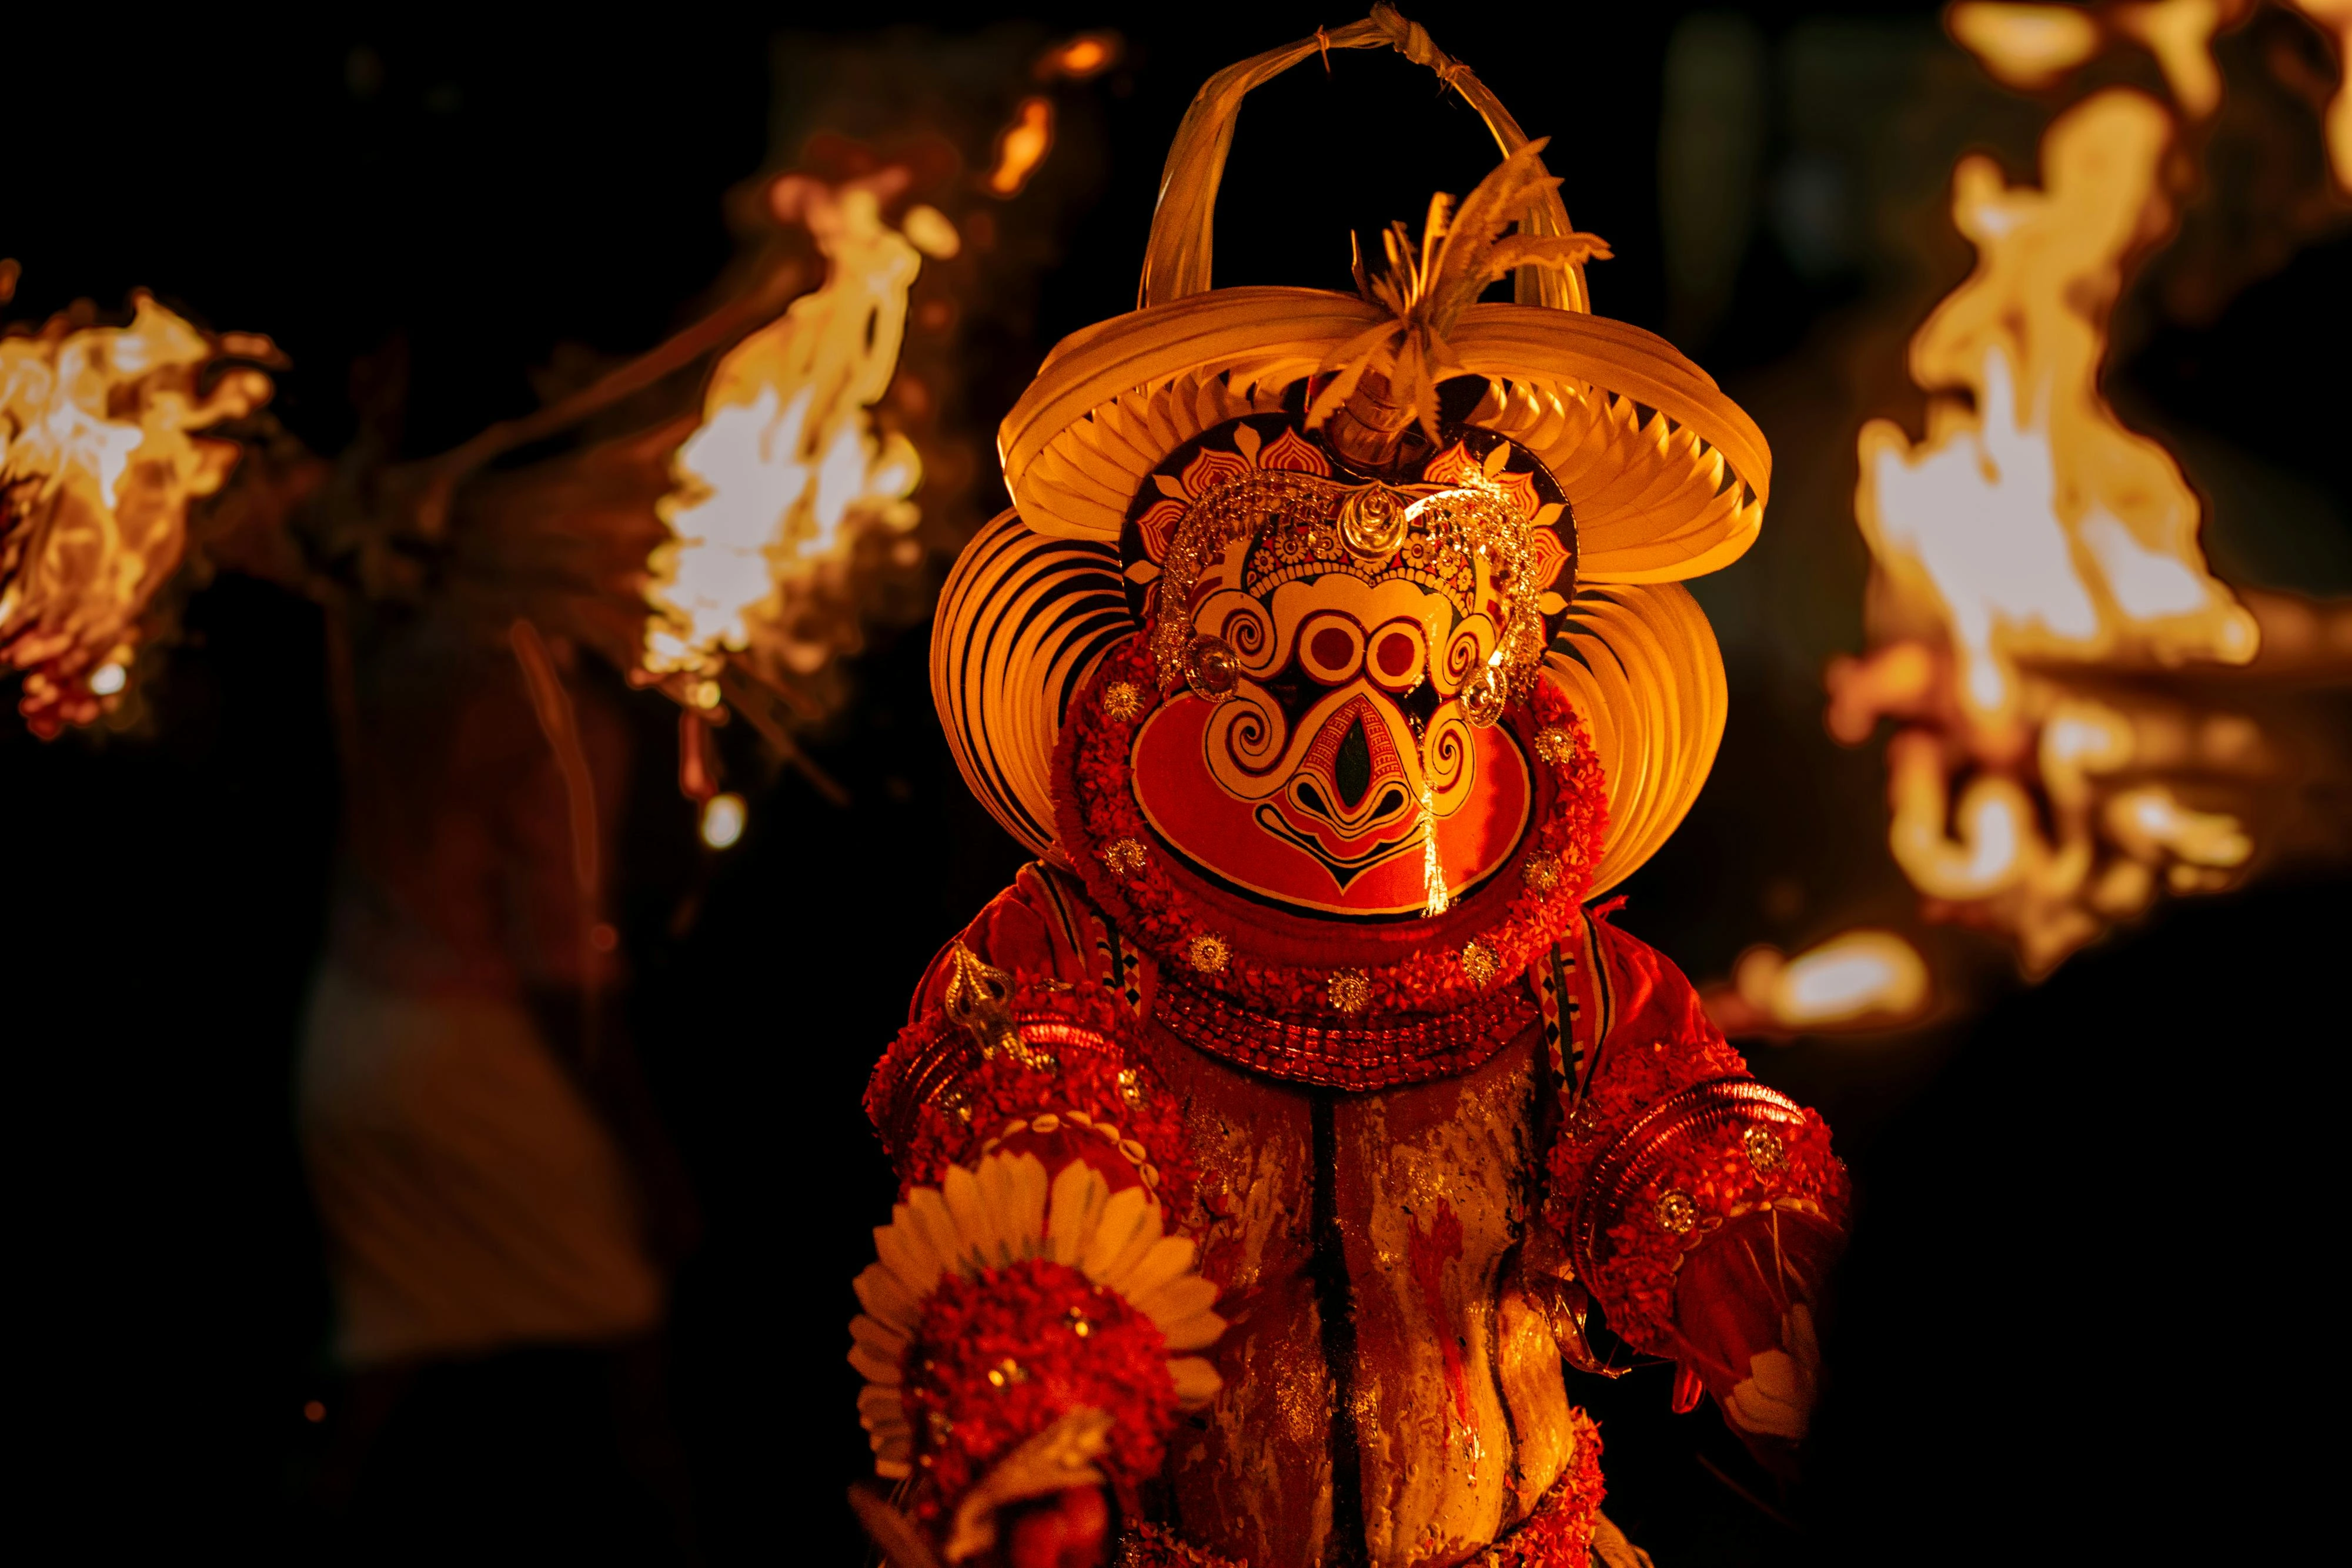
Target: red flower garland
1558	1533
1148	1545
998	1359
1095	803
1713	1169
1723	1183
1096	1072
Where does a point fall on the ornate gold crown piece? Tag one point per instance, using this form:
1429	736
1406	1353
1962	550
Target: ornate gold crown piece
1302	526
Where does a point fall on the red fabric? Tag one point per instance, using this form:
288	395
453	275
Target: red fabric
1041	927
1660	1042
1110	1111
1764	1222
1066	971
1736	1291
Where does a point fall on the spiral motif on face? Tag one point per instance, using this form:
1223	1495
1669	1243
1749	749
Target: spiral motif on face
1466	651
1248	629
1449	762
1247	736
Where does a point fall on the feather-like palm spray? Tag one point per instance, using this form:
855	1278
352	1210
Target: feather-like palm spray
1428	286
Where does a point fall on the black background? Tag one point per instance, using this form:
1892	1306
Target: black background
2082	1318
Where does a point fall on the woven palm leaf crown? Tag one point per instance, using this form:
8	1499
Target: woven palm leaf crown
1666	478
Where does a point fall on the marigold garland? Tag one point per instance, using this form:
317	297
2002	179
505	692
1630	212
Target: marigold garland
1096	1073
1559	1533
1713	1169
1147	1545
1094	805
983	1311
999	1358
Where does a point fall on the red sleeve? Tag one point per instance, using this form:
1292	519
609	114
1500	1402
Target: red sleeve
1670	1151
1022	1041
1034	1050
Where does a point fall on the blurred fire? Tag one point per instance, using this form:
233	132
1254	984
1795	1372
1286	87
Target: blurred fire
2334	17
1862	980
97	466
2039	596
2031	523
2035	47
1077	58
789	467
1021	146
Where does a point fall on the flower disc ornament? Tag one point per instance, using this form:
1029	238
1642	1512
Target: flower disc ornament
1077	1252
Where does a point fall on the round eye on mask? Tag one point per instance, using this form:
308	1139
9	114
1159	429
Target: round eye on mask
1332	649
1394	655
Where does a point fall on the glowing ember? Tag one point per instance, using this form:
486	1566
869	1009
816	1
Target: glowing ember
1022	147
1860	979
1087	55
787	465
98	465
722	820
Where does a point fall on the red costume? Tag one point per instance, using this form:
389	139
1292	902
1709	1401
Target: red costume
1265	1145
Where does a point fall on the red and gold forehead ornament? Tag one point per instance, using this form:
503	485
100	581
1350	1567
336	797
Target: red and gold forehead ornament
1349	568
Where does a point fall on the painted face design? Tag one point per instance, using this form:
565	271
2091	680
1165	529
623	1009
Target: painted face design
1340	775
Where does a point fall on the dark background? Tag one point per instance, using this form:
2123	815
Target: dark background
2082	1316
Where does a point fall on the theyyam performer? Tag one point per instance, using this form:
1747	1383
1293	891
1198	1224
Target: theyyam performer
1267	1146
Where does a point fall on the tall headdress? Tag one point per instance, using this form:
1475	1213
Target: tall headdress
1660	477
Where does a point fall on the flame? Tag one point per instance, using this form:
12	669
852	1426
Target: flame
2027	47
1077	58
2334	17
1866	979
1859	980
1021	146
2032	550
2033	523
788	466
2036	46
97	466
2179	34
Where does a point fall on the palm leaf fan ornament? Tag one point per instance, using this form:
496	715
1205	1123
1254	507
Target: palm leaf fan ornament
1386	375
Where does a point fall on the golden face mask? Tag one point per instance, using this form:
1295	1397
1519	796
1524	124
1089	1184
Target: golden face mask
1311	746
1335	651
